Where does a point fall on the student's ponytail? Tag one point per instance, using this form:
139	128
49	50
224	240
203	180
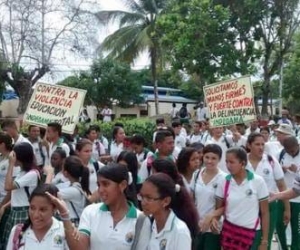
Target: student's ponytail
74	166
85	180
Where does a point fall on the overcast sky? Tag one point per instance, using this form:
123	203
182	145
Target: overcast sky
66	66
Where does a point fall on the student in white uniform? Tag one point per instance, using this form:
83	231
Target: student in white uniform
57	162
164	144
138	145
10	127
54	133
220	139
290	162
84	152
111	224
204	185
245	196
180	141
40	147
196	135
187	163
117	146
97	146
106	113
75	195
41	230
267	167
162	198
22	185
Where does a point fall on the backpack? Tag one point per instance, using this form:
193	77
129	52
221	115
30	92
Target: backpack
72	151
183	113
42	152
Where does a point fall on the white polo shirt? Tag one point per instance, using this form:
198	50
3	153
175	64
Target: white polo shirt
289	176
93	175
180	142
242	202
98	150
115	150
97	223
205	194
59	144
23	179
60	180
195	138
3	171
270	171
38	151
54	238
273	148
74	195
240	143
174	236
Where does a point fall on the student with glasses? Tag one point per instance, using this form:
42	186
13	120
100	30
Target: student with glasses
174	223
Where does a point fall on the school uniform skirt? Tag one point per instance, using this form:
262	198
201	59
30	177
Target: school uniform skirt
17	215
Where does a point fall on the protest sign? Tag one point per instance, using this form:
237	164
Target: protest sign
55	103
230	102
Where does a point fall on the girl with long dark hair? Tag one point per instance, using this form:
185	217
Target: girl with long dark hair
170	205
21	158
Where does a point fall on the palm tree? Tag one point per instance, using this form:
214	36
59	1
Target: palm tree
136	34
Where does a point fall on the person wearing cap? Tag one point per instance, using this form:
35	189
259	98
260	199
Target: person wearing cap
274	147
284	118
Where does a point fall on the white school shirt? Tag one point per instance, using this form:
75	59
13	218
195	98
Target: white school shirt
180	142
115	150
97	223
221	142
106	114
202	114
53	240
93	175
98	150
60	144
23	179
273	148
195	138
270	172
174	236
240	143
73	194
38	154
205	194
206	137
248	131
21	139
3	171
60	181
289	176
242	202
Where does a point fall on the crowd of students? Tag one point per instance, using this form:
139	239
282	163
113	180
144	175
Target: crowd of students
204	189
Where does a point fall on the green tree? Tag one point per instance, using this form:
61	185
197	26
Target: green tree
107	82
197	37
136	34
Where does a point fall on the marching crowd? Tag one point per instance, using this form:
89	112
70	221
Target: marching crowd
198	188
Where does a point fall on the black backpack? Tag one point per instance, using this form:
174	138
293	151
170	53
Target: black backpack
183	113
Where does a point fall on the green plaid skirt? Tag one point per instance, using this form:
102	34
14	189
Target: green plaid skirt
17	215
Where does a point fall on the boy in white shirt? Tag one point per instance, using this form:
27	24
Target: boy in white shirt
180	141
